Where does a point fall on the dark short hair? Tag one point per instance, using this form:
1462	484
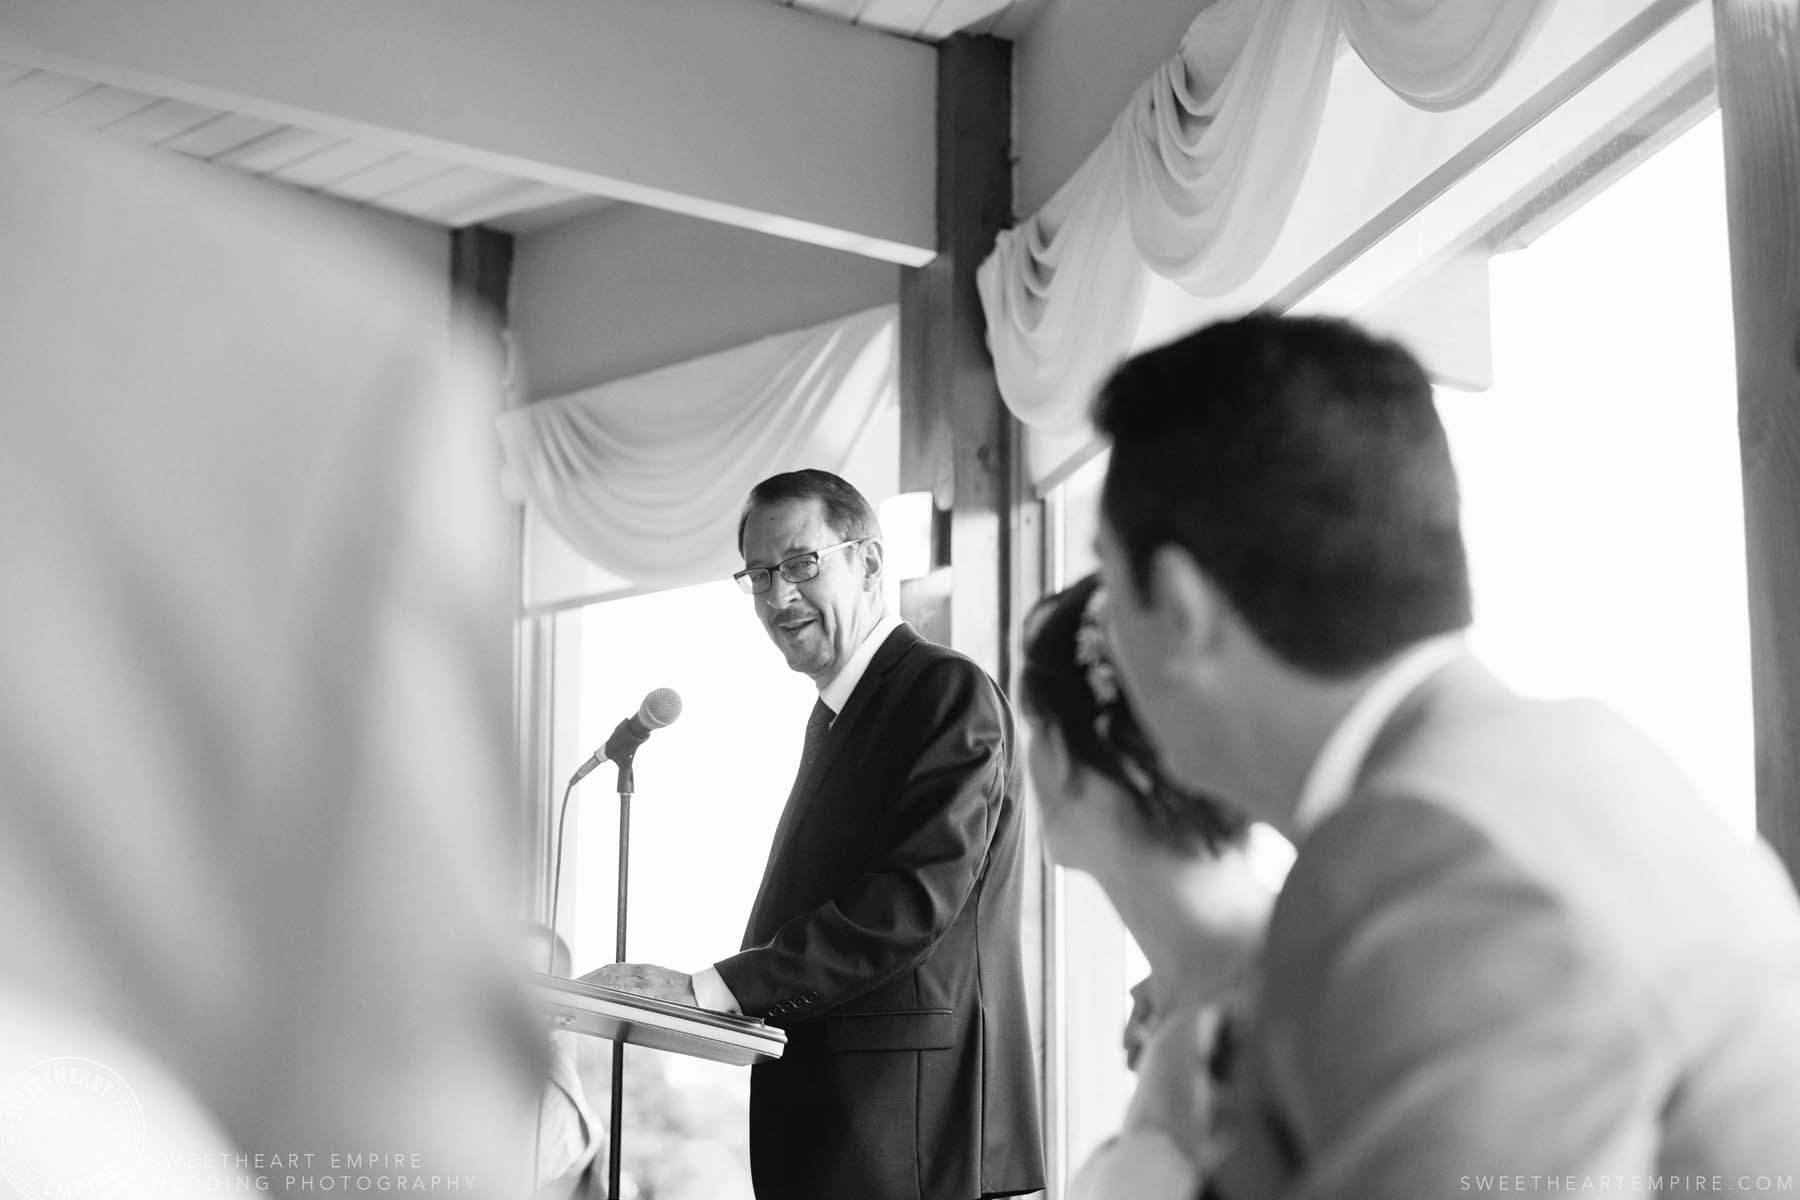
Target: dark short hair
1301	463
1064	650
846	512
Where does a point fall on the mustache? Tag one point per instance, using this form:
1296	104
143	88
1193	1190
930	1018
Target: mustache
787	615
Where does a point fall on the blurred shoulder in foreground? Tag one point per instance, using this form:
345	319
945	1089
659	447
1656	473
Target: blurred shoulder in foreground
253	735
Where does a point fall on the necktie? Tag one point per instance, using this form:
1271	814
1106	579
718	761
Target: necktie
817	726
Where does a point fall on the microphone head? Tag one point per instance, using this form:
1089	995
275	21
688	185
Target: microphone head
659	708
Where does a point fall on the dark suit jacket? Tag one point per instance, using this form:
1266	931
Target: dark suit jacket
885	941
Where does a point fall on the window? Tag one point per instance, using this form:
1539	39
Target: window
1601	480
1571	294
1093	961
709	789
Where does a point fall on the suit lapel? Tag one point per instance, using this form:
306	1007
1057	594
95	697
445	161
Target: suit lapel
857	707
808	785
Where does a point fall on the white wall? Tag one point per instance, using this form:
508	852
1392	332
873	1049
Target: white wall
629	289
1073	72
422	247
732	111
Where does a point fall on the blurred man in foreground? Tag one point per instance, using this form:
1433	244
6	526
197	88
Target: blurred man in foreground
1514	944
253	722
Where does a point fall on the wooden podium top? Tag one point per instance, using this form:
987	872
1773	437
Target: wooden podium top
641	1021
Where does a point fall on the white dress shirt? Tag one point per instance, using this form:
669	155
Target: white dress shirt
709	988
1334	771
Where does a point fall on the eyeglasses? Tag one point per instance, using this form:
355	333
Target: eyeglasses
798	569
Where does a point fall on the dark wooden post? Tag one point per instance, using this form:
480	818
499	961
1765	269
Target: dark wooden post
957	439
1758	45
481	277
481	262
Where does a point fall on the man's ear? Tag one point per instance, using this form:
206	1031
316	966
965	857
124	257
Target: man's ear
1184	602
872	556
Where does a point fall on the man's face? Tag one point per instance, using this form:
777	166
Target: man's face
1172	707
819	623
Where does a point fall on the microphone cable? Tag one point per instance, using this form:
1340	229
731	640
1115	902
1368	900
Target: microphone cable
562	818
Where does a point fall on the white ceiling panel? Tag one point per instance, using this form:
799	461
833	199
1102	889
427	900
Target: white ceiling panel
531	221
376	183
929	20
223	133
326	168
99	107
1012	21
359	171
276	149
523	197
41	91
393	175
842	10
161	121
957	16
455	190
539	90
904	17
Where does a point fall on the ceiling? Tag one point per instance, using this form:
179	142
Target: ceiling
410	184
414	184
929	20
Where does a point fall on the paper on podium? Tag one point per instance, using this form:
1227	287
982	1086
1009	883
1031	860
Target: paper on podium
641	1021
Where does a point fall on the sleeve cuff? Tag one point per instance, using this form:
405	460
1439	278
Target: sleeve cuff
710	992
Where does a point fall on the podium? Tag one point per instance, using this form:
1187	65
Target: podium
641	1021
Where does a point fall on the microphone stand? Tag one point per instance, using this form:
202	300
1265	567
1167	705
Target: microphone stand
660	707
627	784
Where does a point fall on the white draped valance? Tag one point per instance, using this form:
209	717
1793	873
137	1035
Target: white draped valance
1197	176
645	476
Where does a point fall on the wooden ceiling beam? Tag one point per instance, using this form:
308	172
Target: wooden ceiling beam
751	114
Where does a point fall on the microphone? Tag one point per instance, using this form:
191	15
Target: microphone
659	708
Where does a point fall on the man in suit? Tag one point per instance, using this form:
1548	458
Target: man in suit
885	935
1515	950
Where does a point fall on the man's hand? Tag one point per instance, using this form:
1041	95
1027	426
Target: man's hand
1140	1023
1174	1092
659	983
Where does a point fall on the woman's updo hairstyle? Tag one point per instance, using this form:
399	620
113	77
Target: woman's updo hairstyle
1068	681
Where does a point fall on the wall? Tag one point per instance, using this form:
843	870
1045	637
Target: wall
1073	72
629	289
421	247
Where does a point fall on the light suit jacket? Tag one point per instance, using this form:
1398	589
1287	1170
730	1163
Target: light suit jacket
1523	948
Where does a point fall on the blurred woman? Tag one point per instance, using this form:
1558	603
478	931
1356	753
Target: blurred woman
1174	866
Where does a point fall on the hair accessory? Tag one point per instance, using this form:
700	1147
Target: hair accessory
1091	651
1093	657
